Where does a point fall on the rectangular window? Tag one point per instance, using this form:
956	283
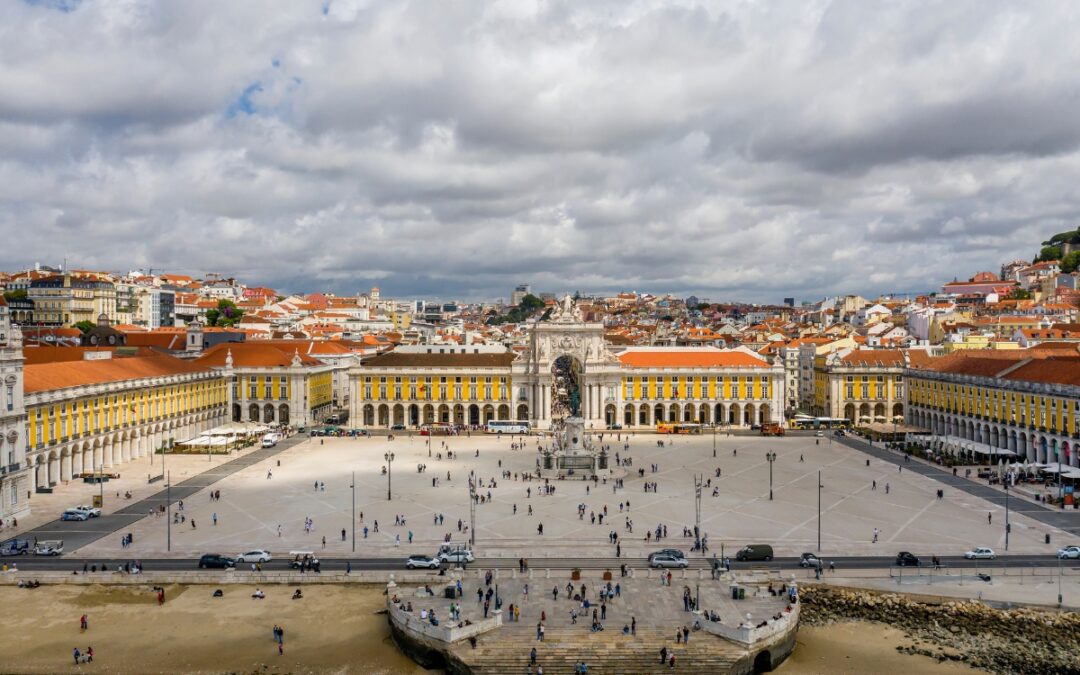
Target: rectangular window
10	398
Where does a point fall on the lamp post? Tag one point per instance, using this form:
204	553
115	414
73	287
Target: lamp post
389	457
472	513
168	512
714	440
697	512
1007	526
353	487
770	457
819	511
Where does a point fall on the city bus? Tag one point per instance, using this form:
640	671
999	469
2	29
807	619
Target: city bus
507	427
437	429
802	422
677	428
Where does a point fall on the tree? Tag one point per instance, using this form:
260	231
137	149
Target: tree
85	326
19	294
1070	262
1019	294
226	314
530	303
1049	253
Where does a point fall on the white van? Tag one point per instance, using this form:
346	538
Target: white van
270	440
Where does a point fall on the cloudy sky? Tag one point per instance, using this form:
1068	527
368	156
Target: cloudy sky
738	150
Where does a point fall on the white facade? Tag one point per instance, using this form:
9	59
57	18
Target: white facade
14	475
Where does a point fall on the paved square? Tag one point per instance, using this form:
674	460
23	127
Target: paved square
904	506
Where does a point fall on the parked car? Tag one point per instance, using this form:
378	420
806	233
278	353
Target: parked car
906	559
91	511
755	552
259	555
457	555
15	546
668	551
398	427
50	547
1069	552
980	553
216	561
819	434
809	560
424	561
74	514
668	560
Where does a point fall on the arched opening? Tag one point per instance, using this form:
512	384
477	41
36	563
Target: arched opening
268	412
522	412
236	412
898	411
444	414
643	415
688	413
763	662
474	415
733	414
609	415
488	413
879	412
864	413
749	414
565	387
658	413
414	415
628	415
459	414
283	414
765	413
503	412
399	414
429	413
673	413
718	414
253	412
384	415
369	415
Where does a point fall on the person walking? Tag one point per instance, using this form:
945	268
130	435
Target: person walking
76	653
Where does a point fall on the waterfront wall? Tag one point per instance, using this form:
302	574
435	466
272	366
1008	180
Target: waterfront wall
1023	640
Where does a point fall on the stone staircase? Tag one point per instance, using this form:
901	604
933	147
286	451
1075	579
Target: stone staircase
506	652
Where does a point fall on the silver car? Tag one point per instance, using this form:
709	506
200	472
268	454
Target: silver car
1069	552
457	555
668	560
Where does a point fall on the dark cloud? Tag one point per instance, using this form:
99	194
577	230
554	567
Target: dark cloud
732	150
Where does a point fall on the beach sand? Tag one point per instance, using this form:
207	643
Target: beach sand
333	629
860	647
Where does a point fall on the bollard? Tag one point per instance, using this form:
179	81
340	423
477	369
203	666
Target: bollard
547	573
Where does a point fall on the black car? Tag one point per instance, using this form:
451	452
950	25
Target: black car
906	559
216	561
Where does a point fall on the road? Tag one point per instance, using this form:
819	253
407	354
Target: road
1068	521
73	562
76	534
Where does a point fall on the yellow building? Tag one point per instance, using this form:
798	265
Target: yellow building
274	382
87	415
860	385
1025	402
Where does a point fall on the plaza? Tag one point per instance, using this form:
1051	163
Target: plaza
265	505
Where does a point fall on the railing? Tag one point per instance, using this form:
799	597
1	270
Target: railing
446	631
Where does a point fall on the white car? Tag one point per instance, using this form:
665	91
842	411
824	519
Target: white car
91	511
819	434
74	514
980	553
424	561
257	556
457	555
1069	552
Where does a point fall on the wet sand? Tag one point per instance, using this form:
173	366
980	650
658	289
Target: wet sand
859	647
333	629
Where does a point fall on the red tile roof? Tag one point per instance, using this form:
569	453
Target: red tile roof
66	374
689	358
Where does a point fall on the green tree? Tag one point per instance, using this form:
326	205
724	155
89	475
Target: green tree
530	303
1070	262
85	326
1049	253
19	294
226	314
1019	294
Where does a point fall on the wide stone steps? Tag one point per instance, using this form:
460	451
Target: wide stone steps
507	652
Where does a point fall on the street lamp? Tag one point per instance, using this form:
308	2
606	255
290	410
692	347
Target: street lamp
353	487
770	457
819	486
714	440
1008	528
389	457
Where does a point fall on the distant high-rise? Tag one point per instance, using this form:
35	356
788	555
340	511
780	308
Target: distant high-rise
519	294
790	302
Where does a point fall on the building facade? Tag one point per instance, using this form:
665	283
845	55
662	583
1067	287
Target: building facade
89	415
567	368
1024	402
860	385
14	475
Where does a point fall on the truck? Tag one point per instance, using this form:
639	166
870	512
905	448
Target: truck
15	546
772	429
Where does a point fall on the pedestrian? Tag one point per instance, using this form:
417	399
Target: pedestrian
76	653
633	625
989	518
83	623
90	654
343	534
214	517
532	652
875	535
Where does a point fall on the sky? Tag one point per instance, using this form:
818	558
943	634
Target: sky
745	150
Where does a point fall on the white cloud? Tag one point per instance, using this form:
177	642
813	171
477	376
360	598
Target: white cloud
736	150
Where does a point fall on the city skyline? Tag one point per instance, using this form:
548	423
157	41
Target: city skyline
692	150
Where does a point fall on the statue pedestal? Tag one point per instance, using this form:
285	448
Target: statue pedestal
575	455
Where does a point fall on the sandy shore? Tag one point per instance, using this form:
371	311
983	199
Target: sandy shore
860	648
332	630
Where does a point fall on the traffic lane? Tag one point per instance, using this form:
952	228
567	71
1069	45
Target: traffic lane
73	562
